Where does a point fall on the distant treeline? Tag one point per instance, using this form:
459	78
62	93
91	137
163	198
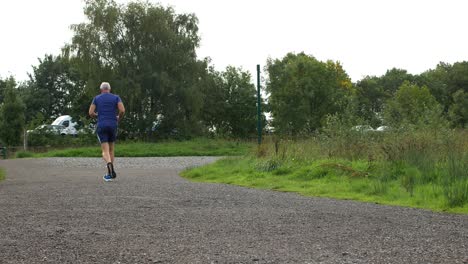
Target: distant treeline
148	54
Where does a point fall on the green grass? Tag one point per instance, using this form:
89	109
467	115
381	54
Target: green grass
333	178
24	154
2	174
196	147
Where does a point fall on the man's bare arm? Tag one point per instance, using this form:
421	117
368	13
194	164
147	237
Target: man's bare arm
121	110
92	111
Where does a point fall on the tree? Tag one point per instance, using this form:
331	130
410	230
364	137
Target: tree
148	54
413	105
53	88
11	115
303	91
2	89
436	80
458	77
230	103
372	92
370	98
458	111
445	80
393	79
214	101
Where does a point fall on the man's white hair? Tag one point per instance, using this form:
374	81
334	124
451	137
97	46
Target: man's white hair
105	86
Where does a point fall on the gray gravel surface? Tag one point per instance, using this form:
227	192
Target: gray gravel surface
61	211
132	163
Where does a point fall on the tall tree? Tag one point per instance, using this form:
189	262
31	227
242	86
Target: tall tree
11	115
393	79
413	105
52	89
214	101
445	80
436	80
303	91
458	111
147	53
3	87
370	98
372	92
230	103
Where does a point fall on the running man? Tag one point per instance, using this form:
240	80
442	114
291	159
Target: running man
106	104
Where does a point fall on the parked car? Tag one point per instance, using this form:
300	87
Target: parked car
48	129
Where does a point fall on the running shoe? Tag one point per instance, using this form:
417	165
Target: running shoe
107	177
110	168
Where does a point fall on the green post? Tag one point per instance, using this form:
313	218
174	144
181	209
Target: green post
259	110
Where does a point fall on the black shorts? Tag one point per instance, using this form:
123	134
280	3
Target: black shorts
106	134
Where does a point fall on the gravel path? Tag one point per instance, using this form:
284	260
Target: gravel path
60	211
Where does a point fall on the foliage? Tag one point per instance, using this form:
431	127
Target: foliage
147	53
444	82
373	92
11	115
458	111
230	103
370	98
303	91
392	80
3	85
52	89
413	105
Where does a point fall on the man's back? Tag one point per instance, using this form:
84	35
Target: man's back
106	106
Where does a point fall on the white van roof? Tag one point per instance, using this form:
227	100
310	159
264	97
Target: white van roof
60	119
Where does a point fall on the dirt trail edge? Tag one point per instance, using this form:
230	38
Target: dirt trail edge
61	211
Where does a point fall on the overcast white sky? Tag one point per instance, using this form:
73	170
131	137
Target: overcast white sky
366	36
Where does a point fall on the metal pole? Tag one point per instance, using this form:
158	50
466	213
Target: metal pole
25	140
259	110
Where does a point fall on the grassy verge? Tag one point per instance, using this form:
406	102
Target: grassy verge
196	147
339	179
2	174
422	169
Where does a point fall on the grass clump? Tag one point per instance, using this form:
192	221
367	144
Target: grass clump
24	154
2	174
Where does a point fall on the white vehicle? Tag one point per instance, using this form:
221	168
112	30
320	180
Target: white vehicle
47	129
362	128
67	122
382	128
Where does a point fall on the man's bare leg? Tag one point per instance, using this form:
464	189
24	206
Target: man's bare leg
111	151
107	158
105	152
112	157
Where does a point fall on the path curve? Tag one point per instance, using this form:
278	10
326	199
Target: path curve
58	210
